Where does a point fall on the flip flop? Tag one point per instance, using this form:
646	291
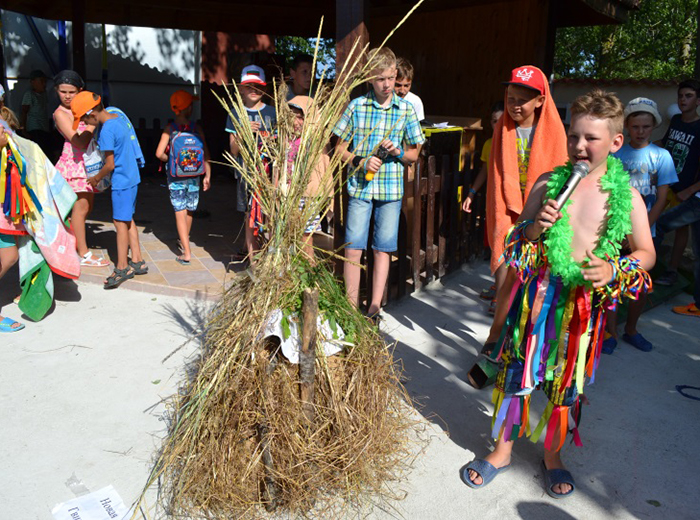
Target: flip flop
552	477
638	341
486	471
488	294
6	325
182	261
492	307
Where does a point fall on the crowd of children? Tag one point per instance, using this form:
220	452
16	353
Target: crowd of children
560	270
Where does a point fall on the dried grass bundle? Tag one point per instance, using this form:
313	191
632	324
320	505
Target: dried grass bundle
241	436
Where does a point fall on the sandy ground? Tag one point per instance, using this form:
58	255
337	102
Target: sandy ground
82	392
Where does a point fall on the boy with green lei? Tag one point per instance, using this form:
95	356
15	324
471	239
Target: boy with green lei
570	270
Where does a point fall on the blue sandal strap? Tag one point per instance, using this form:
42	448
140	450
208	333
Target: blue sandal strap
553	477
485	469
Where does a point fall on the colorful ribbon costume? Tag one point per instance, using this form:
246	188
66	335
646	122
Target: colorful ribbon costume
555	326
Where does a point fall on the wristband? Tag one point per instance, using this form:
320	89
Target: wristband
357	160
614	275
398	157
472	191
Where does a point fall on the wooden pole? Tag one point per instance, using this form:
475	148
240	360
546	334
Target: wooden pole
271	492
79	38
350	16
307	356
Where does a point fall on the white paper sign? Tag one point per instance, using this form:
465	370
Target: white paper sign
105	504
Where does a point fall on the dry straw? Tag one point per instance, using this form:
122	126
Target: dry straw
239	439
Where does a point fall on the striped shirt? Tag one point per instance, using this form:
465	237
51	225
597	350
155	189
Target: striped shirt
365	124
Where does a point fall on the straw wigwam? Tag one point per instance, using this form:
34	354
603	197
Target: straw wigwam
241	436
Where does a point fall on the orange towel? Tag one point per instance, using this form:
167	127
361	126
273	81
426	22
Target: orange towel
504	199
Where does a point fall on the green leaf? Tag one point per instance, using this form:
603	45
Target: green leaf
654	503
156	381
286	330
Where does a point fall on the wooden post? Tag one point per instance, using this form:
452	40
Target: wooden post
430	222
271	491
416	231
443	213
307	356
78	29
454	208
349	26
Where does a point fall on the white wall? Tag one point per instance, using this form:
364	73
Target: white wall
664	95
145	65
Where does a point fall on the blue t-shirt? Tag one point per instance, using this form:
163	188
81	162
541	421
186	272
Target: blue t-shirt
649	168
115	136
267	116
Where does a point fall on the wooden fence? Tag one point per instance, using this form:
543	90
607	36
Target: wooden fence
435	236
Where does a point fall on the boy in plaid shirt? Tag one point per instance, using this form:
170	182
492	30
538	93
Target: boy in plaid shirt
378	124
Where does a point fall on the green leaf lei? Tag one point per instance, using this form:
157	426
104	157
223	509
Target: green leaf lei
618	223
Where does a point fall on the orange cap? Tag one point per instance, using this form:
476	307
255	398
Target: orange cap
82	104
180	100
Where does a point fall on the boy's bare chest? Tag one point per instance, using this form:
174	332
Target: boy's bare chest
587	215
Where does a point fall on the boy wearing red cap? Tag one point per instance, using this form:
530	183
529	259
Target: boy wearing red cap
529	139
184	191
262	119
120	162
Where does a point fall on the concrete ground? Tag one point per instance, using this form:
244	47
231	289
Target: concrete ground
81	407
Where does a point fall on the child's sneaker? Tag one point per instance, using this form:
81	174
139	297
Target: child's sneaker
687	310
668	278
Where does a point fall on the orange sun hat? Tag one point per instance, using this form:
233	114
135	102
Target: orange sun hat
180	100
82	105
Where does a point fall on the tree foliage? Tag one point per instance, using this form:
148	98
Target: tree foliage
290	46
656	42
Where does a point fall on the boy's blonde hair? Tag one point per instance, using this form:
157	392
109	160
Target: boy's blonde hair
601	105
404	69
381	59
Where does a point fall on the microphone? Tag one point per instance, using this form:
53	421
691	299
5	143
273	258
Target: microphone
578	172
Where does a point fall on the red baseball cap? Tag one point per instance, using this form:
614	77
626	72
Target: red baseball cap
529	77
180	100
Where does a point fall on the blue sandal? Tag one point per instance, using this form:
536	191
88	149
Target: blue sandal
638	341
7	325
486	471
552	477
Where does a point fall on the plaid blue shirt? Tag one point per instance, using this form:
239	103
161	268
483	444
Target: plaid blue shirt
365	124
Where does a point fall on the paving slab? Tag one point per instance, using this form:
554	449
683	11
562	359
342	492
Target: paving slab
82	394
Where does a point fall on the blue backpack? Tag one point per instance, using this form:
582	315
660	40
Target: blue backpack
186	158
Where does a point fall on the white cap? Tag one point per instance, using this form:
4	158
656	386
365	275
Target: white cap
253	74
642	104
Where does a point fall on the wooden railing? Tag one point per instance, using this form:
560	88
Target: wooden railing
435	236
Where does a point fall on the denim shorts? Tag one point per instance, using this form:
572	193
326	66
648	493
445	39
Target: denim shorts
184	194
386	224
7	241
124	203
